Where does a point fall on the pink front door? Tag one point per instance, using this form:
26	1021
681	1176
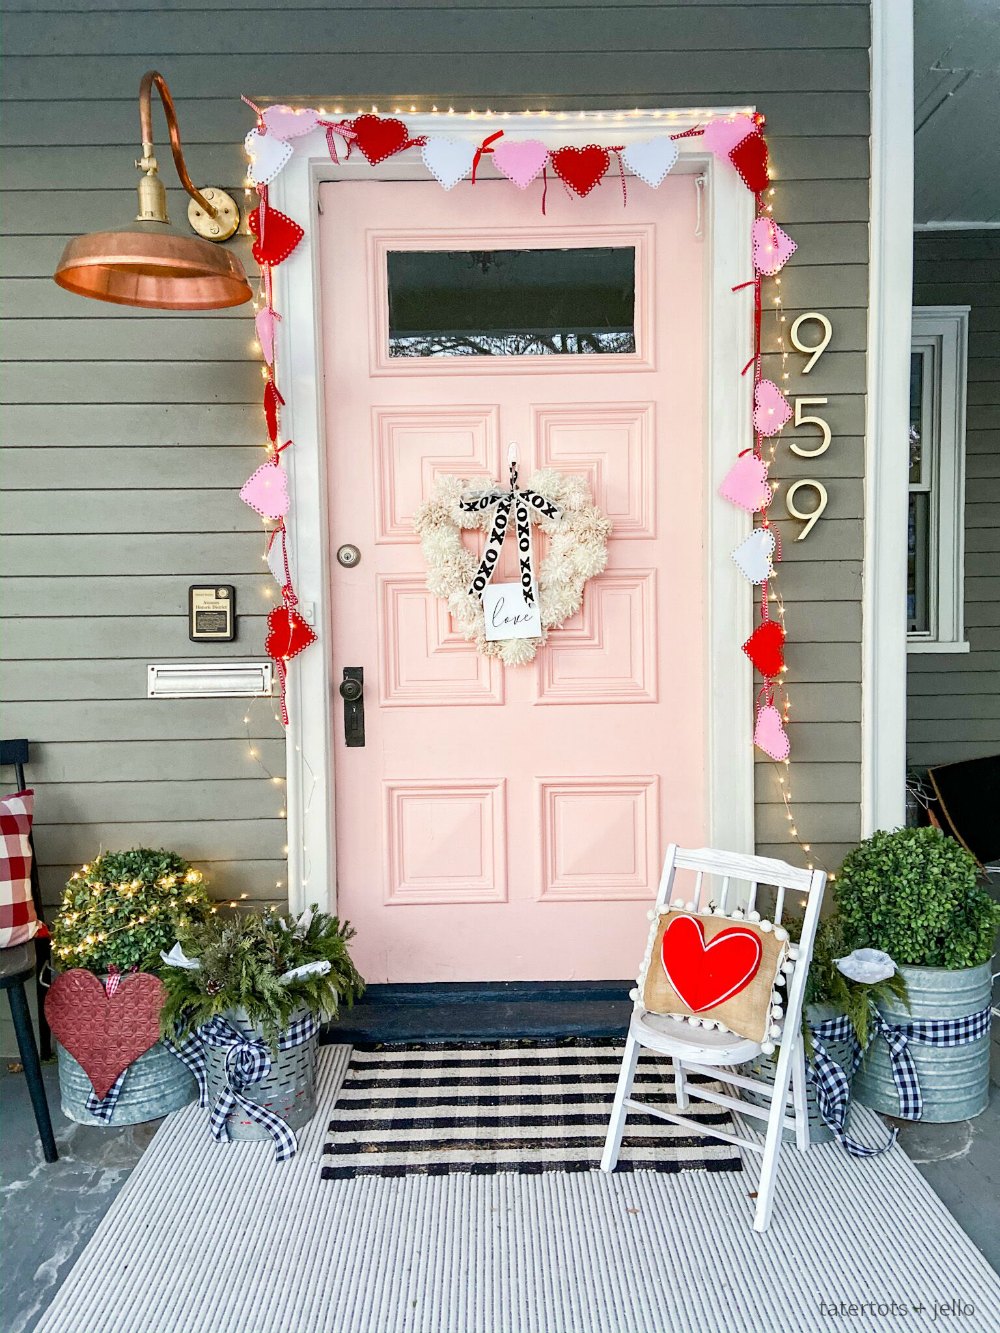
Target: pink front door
506	823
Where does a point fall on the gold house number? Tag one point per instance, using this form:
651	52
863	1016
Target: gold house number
814	350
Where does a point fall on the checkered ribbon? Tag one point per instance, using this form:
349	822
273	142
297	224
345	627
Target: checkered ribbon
248	1061
832	1083
503	501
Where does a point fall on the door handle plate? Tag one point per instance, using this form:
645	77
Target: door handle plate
352	691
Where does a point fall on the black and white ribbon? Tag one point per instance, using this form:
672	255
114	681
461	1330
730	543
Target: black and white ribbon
504	501
248	1061
832	1083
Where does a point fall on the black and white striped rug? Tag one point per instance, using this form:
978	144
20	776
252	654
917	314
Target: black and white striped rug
526	1106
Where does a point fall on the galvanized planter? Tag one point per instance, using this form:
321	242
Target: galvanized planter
155	1084
954	1080
289	1089
764	1068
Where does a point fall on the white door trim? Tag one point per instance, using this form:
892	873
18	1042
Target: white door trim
883	679
728	218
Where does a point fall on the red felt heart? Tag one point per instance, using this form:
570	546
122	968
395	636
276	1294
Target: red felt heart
704	975
272	401
287	634
764	648
276	234
105	1033
749	157
581	168
378	138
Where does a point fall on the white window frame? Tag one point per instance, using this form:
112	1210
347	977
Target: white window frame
941	335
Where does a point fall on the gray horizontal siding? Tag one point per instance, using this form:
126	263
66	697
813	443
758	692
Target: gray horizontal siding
126	431
954	701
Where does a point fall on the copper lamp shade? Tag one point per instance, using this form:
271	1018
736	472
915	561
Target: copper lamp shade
152	264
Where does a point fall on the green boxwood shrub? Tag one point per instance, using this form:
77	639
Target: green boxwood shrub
916	894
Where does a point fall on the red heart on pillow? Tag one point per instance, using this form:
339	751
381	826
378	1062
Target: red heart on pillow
287	634
764	648
703	975
581	168
749	157
378	138
276	234
105	1033
272	400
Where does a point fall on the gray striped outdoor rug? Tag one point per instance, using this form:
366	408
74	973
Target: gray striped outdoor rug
525	1106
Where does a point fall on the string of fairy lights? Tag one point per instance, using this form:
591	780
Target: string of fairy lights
674	118
125	891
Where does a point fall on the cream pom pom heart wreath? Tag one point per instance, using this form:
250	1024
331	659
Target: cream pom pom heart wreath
578	549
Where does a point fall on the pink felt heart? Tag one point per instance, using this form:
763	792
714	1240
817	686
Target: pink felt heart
745	484
267	155
266	490
521	162
285	122
772	247
722	136
770	408
753	556
769	734
266	323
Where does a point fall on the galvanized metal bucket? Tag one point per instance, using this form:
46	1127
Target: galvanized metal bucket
156	1083
289	1089
954	1080
765	1067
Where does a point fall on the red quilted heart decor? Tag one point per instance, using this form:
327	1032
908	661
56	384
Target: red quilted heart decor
765	648
105	1033
379	138
704	975
276	234
287	634
749	157
272	401
581	168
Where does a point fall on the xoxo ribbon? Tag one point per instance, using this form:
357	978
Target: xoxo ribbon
504	501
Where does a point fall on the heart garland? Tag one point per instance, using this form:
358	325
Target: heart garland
737	140
769	733
275	234
581	168
105	1032
287	634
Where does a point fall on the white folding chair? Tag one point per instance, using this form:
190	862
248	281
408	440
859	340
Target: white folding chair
727	881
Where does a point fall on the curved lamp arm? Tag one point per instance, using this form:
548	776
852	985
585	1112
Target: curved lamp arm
148	163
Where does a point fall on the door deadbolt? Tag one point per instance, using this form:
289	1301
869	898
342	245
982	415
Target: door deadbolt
348	556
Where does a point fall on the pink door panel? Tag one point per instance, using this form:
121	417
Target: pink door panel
507	823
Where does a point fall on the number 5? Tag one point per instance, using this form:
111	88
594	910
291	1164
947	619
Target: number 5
802	420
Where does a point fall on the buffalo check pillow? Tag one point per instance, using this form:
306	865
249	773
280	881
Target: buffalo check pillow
18	922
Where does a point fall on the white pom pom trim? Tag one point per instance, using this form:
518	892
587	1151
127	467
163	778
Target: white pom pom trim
753	916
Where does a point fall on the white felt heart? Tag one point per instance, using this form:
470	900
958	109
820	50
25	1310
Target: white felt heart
651	159
448	160
753	556
285	122
267	155
277	556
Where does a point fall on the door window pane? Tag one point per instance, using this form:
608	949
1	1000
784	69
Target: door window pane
916	414
918	564
543	302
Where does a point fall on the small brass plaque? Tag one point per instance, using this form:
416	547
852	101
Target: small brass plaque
212	612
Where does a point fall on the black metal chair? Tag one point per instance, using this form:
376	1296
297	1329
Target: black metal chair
16	967
16	755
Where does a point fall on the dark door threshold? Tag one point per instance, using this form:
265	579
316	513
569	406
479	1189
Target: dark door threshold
470	1011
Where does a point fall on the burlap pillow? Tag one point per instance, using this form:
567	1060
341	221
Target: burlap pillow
729	982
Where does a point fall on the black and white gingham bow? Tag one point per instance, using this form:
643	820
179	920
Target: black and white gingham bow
832	1083
504	501
248	1061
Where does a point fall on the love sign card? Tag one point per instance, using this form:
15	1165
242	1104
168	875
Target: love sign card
508	615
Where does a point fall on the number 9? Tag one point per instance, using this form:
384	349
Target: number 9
817	349
809	519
